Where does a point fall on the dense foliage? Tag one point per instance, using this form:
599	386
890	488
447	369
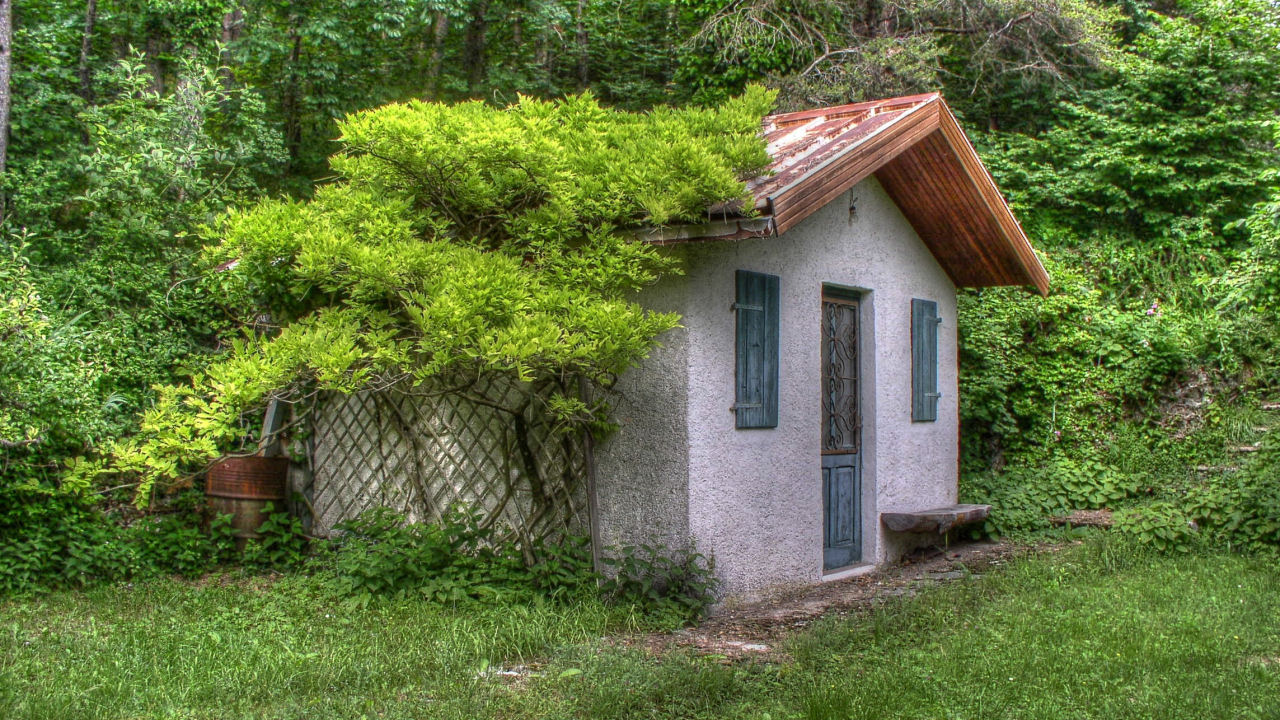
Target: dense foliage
53	541
1137	142
1148	195
378	554
461	241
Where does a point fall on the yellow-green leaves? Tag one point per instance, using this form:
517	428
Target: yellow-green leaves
495	171
462	240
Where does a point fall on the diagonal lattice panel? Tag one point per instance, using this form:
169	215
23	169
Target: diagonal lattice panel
488	447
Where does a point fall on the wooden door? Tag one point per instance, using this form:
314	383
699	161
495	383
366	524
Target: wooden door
841	431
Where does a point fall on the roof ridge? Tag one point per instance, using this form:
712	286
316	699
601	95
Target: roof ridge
832	112
923	161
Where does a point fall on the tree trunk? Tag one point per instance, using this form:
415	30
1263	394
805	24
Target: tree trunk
232	24
584	49
542	56
473	53
154	67
440	32
187	94
6	77
289	104
85	72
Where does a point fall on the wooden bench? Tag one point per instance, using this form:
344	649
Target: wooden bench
937	520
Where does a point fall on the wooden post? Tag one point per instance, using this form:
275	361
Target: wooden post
272	421
589	457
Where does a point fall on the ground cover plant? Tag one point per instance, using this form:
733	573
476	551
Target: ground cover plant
1095	631
1136	142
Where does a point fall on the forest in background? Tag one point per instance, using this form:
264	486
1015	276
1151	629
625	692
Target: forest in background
1136	142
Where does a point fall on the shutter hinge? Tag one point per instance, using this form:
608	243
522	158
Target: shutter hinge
745	306
745	406
937	320
933	395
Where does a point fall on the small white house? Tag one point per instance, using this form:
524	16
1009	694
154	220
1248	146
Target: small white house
808	404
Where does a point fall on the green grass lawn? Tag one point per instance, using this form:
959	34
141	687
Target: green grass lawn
1069	635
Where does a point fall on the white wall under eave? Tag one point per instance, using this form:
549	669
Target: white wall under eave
642	485
752	499
755	498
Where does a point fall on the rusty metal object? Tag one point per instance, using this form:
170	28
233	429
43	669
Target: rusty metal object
248	478
937	520
242	487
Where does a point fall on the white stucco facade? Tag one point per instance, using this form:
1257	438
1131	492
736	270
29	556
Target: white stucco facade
678	470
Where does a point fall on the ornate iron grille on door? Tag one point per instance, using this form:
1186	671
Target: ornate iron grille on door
840	418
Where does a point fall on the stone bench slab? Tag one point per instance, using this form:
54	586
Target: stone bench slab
937	520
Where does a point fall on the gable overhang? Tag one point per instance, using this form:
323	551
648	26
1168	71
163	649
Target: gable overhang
917	151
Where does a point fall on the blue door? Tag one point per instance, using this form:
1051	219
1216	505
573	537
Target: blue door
841	431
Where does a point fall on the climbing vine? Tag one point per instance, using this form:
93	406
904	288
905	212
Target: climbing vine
459	240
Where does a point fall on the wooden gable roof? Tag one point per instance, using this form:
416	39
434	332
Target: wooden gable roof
916	149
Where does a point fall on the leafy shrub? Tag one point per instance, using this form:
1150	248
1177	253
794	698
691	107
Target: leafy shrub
1242	510
1231	510
57	541
563	570
677	586
459	559
1163	526
378	553
1025	498
49	540
174	543
281	543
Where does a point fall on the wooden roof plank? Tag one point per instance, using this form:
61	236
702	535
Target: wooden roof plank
851	175
925	163
938	222
964	208
995	201
824	183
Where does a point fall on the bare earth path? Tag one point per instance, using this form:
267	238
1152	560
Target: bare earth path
752	630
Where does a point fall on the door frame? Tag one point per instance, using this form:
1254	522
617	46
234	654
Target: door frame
845	295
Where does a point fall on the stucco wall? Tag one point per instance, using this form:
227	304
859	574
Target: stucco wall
753	497
643	470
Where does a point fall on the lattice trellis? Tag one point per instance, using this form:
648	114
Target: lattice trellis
488	447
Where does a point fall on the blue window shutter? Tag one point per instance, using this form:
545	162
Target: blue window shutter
924	360
756	399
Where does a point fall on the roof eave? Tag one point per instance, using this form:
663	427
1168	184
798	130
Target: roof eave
921	117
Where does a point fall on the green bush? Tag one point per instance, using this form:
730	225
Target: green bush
673	586
1230	510
1242	510
50	540
57	541
459	559
176	544
565	569
1162	526
1026	498
379	554
280	544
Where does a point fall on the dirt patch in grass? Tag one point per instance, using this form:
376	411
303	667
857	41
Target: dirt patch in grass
1086	518
752	631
